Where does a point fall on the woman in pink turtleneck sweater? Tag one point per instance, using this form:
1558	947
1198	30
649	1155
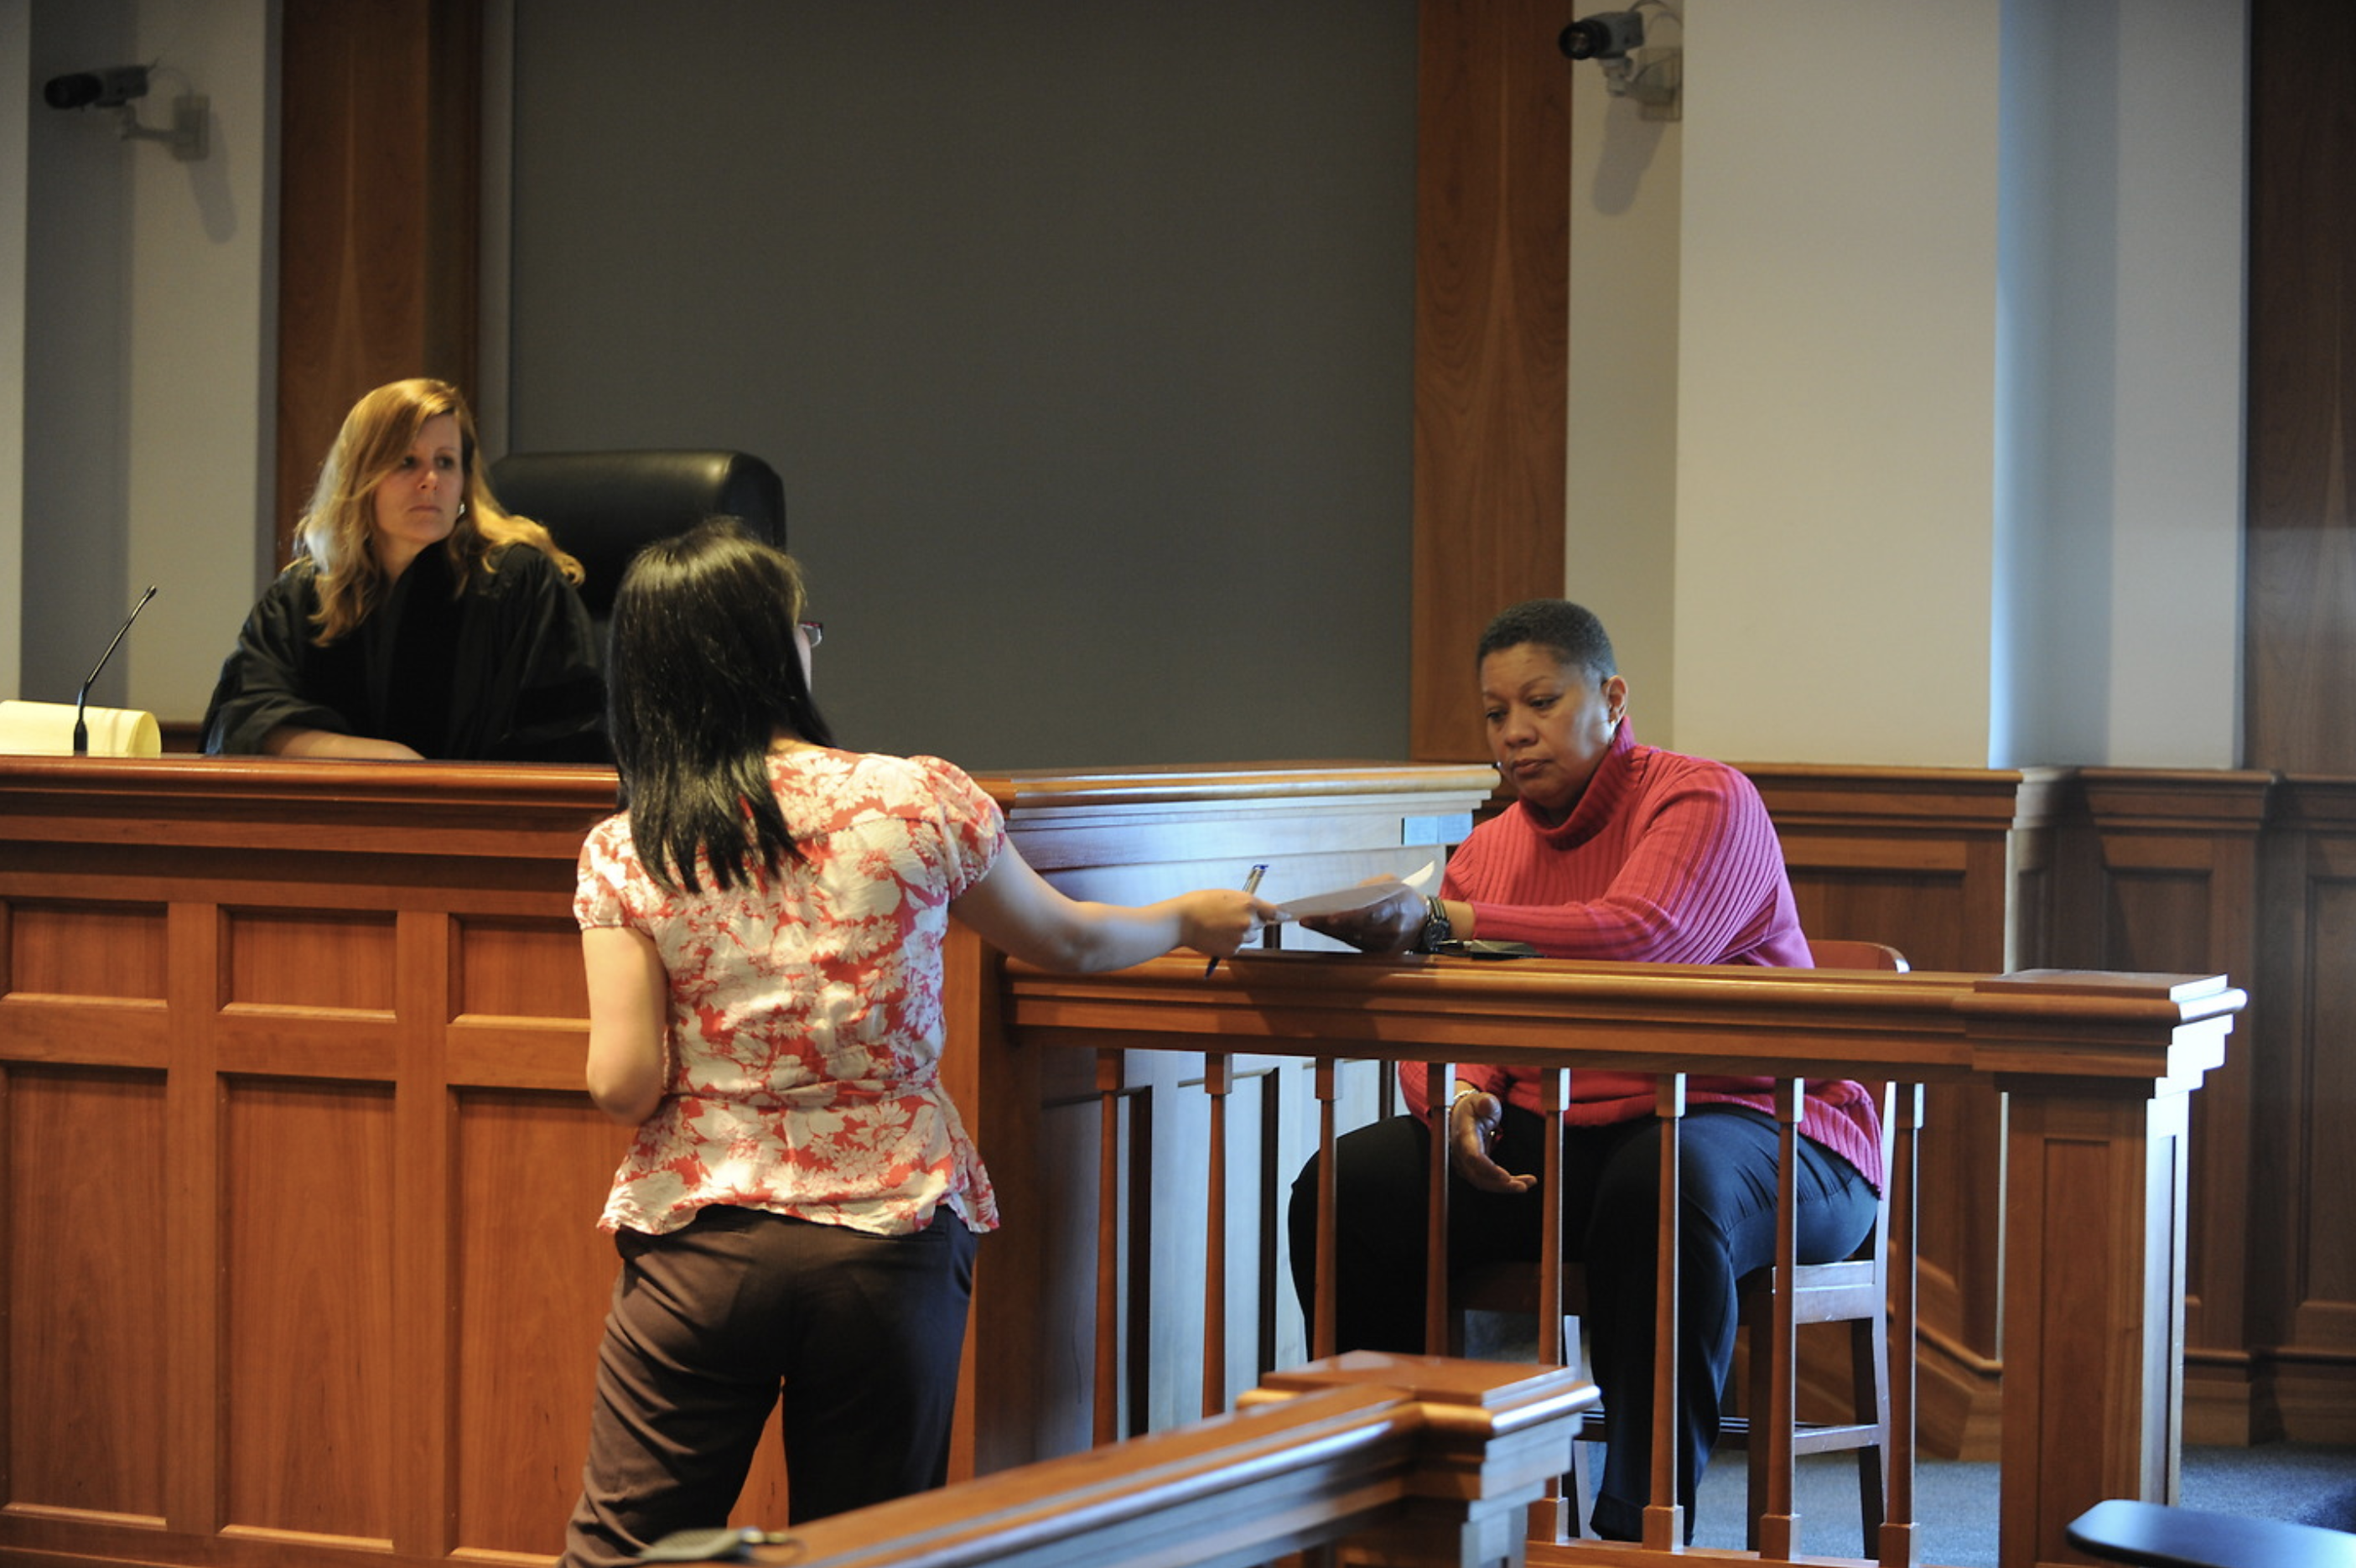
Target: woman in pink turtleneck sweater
1612	850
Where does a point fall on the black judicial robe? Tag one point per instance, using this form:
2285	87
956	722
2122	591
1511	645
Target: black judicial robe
506	670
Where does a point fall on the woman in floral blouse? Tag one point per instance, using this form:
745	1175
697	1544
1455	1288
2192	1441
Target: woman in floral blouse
763	933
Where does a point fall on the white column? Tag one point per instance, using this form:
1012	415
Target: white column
1836	380
1957	313
2121	385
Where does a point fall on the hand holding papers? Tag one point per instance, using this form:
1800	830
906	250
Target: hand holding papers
1382	914
1362	915
1348	899
1365	896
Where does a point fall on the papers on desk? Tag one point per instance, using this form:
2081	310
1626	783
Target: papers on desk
1365	896
46	729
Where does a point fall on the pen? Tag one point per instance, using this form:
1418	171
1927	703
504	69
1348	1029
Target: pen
1251	885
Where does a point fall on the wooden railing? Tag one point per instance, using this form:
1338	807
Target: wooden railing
2097	1067
1421	1461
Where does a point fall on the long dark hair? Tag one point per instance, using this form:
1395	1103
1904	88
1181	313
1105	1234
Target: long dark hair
704	672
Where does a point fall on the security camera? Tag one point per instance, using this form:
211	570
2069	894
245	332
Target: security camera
1607	35
97	89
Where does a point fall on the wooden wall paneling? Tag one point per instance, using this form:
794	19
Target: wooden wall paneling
419	1420
296	1358
82	1338
2177	857
110	950
2328	1275
2300	682
2094	1233
308	1352
2303	1311
1938	862
192	1400
341	963
529	1177
1492	331
519	969
529	1163
379	166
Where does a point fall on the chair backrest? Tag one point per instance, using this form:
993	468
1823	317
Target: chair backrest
605	506
1835	953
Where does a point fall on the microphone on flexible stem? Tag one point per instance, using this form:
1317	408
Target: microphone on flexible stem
82	700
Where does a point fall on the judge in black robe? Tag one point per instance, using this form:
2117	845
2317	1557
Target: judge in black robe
419	619
506	670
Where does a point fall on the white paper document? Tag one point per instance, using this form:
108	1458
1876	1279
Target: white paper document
46	729
1365	896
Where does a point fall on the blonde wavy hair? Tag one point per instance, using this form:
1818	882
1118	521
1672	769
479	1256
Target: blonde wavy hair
335	528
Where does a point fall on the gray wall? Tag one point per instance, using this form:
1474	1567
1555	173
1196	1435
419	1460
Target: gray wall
1081	331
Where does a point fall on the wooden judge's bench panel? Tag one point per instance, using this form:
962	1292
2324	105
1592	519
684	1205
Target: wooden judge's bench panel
300	1257
300	1251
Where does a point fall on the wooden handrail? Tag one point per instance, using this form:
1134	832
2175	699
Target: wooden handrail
1923	1026
1435	1458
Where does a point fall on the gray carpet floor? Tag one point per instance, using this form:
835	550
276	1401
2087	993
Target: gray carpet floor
1955	1503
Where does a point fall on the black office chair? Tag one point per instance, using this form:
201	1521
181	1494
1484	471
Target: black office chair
2161	1537
605	506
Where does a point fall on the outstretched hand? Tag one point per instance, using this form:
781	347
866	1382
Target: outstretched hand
1216	921
1472	1125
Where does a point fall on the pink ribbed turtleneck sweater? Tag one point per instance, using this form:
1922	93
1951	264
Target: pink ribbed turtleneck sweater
1664	859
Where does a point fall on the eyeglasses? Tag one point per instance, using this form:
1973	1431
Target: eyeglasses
815	630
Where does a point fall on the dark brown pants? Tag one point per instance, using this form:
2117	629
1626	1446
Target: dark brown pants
862	1333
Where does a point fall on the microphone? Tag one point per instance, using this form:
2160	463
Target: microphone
82	700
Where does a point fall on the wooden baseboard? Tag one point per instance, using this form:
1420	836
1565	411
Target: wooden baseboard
1959	1403
2316	1400
2225	1403
2270	1397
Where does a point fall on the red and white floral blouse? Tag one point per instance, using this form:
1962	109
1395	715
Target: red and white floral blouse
804	1037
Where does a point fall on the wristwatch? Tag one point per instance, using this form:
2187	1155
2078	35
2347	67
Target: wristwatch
1436	929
